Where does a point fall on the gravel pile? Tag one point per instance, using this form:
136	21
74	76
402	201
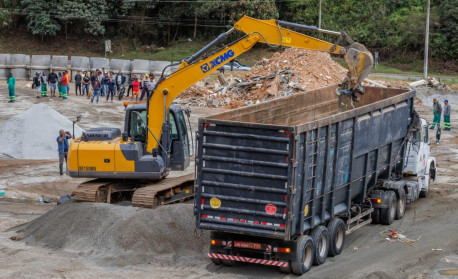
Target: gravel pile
120	235
32	134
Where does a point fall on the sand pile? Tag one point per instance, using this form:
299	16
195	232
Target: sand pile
120	235
289	72
32	134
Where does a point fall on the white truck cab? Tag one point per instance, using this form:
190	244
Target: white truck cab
418	161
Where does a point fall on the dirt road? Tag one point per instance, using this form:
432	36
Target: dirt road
366	255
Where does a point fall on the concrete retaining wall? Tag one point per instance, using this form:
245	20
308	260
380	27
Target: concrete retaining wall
18	66
120	64
25	66
4	62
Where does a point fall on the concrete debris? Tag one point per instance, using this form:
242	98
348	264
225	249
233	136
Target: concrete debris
32	134
289	72
430	82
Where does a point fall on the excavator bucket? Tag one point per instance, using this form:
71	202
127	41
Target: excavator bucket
360	62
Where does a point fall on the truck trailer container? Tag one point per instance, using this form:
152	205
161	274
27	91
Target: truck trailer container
283	182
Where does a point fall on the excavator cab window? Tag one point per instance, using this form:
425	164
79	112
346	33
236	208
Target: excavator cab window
137	126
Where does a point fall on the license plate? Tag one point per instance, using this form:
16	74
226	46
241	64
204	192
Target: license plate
248	245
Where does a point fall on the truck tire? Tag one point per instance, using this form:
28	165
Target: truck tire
425	193
387	215
336	229
216	261
401	204
286	270
303	259
320	237
376	216
228	262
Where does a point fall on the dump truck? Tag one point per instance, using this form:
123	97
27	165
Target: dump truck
282	183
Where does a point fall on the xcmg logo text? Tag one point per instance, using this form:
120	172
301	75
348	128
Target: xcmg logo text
217	61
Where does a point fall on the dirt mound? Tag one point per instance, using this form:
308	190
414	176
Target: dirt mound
120	235
32	134
289	72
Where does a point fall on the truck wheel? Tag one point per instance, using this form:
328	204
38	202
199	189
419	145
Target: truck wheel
425	193
388	214
287	269
320	237
376	216
228	262
303	259
336	230
216	261
401	204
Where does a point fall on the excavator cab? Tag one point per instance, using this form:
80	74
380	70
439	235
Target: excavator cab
178	146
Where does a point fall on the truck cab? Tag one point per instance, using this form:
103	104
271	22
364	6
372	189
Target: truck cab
418	161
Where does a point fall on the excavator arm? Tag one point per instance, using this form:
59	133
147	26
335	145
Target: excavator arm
270	32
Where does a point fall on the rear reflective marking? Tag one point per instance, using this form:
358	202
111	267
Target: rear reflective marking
248	260
242	221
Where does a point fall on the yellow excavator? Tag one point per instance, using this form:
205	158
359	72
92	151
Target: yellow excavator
155	141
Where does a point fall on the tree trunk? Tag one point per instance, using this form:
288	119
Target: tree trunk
168	33
176	31
65	30
195	25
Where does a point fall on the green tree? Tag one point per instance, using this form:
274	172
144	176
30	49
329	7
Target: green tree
41	17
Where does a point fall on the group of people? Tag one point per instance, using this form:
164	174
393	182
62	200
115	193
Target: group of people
99	84
437	110
59	82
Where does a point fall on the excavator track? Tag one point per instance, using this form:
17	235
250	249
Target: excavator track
169	190
148	195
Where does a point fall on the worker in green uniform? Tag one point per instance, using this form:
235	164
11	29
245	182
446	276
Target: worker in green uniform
447	109
437	108
11	84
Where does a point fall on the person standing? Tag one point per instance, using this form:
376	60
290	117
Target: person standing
437	109
86	83
105	81
144	86
52	80
111	89
59	84
78	80
68	81
96	90
64	82
44	82
135	88
120	80
131	79
151	86
376	58
11	81
37	84
447	110
62	148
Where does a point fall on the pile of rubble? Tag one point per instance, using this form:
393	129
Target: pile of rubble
289	72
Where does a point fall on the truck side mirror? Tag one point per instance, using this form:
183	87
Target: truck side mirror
124	136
